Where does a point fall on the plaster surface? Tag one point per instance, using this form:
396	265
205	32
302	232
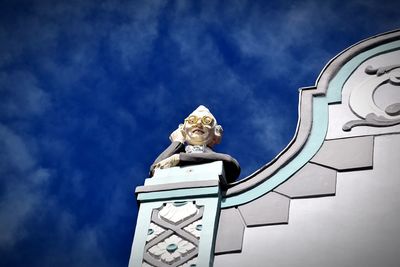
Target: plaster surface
347	153
359	227
230	232
310	181
272	208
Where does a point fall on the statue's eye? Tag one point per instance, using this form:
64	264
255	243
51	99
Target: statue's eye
207	120
192	119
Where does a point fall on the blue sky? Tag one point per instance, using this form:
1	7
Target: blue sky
91	90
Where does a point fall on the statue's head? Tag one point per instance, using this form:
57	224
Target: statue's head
201	128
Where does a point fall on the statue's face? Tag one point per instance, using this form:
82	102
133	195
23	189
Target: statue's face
199	128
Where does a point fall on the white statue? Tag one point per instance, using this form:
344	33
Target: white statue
192	144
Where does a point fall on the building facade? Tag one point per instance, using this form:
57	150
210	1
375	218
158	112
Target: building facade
331	198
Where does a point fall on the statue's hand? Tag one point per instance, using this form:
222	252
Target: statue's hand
178	135
168	162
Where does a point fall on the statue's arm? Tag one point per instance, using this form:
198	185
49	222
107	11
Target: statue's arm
174	148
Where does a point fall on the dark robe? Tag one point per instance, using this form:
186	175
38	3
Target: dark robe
231	166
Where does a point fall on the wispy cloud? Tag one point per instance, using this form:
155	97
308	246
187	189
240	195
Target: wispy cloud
89	92
132	42
21	95
23	183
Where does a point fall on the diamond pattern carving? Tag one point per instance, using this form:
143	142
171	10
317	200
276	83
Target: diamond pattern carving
177	212
171	249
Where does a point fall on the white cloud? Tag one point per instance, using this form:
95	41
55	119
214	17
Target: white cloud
21	95
24	185
128	32
277	38
26	198
14	153
132	41
16	206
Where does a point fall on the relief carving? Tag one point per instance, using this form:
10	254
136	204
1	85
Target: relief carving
173	235
362	100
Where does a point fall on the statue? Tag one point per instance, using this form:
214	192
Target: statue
192	144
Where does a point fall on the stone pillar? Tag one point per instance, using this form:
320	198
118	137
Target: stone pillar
178	216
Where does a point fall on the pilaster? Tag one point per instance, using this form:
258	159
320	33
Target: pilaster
178	216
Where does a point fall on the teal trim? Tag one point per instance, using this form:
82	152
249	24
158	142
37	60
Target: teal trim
178	193
334	93
320	110
179	203
171	248
209	231
318	131
142	226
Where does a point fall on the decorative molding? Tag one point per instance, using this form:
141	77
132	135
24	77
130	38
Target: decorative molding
327	91
178	193
171	249
371	119
328	87
194	228
191	263
154	231
251	195
171	241
178	211
363	104
381	70
172	186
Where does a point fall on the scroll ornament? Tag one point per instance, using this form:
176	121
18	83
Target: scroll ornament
363	104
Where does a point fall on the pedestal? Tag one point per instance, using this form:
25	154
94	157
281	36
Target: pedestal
177	218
